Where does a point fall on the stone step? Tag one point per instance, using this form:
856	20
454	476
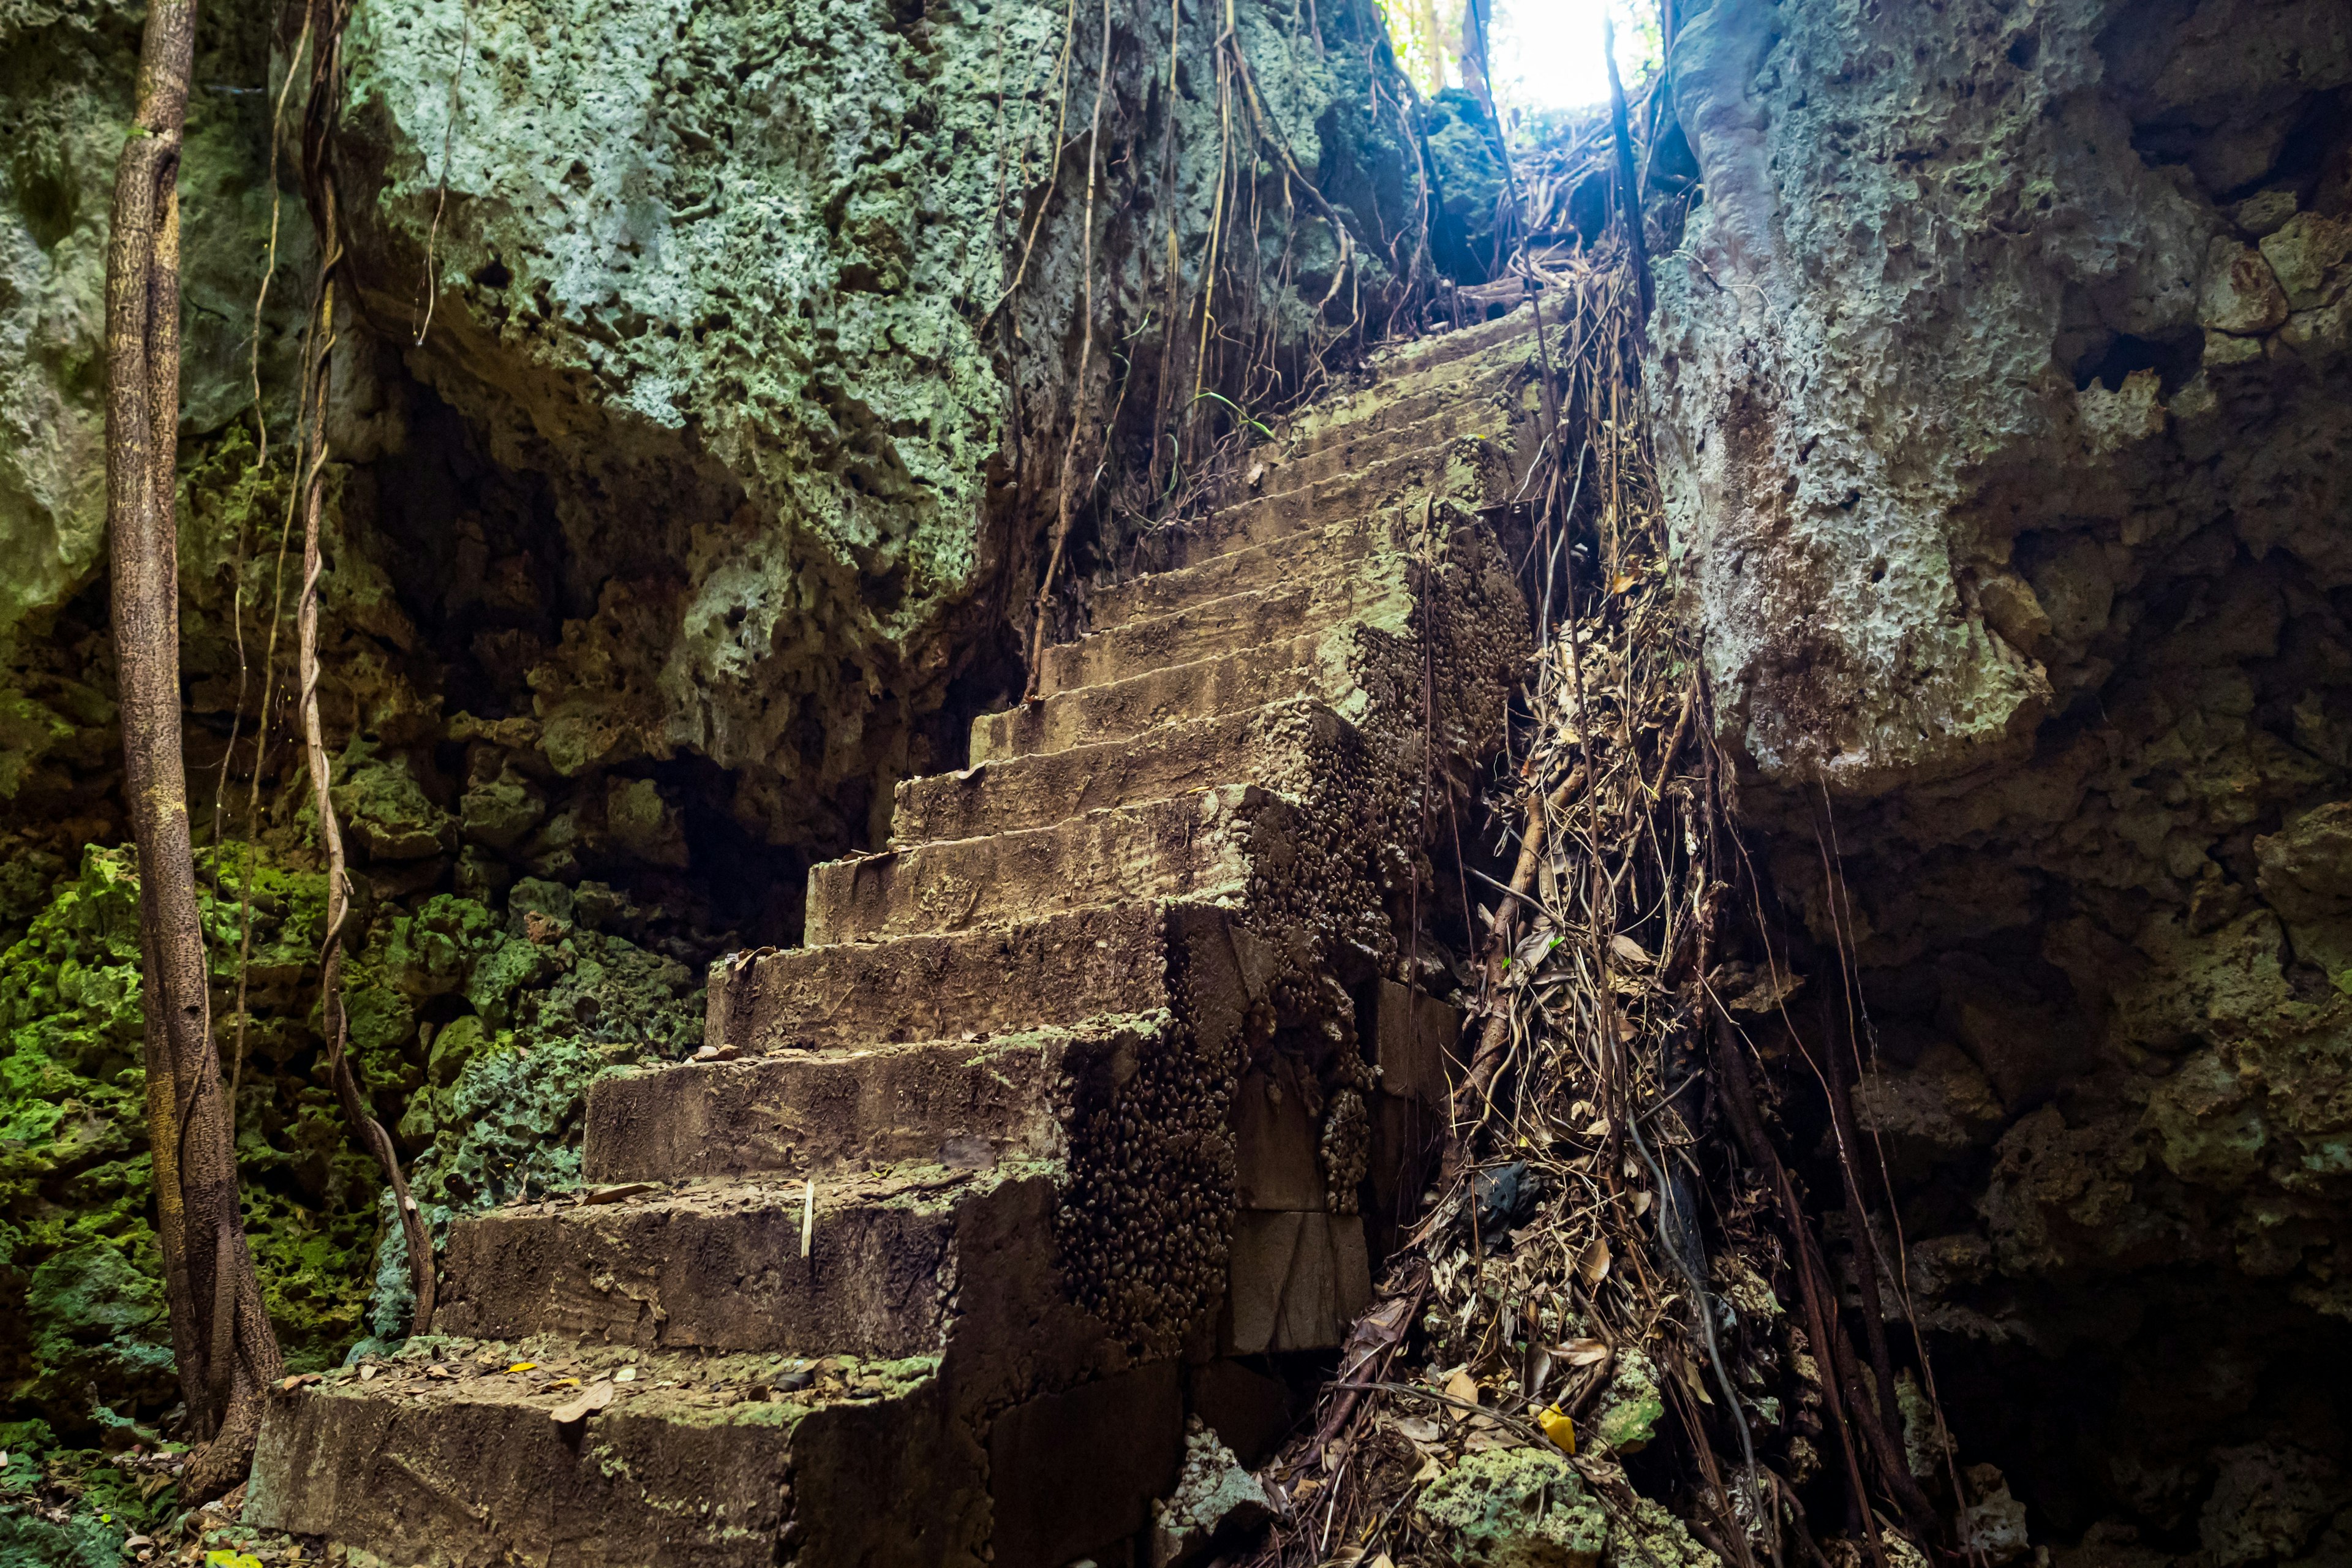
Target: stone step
1469	472
1208	627
717	1462
1405	393
963	1104
1472	338
1359	445
1195	847
1283	746
1331	550
1061	970
717	1266
1316	665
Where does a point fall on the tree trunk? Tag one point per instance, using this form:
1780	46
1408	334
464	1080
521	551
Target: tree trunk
220	1332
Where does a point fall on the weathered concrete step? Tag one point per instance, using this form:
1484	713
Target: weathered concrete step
1402	393
1410	423
1283	746
1228	623
1059	970
1334	548
1442	348
960	1104
1315	665
1195	847
711	1462
1468	472
718	1266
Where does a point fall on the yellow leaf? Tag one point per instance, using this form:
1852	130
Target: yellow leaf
522	1366
1558	1428
564	1383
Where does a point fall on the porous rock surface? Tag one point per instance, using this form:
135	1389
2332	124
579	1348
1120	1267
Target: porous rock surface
2001	383
931	1251
759	294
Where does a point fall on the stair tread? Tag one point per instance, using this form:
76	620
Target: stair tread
1270	744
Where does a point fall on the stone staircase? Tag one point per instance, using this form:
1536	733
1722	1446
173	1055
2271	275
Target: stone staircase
1096	1090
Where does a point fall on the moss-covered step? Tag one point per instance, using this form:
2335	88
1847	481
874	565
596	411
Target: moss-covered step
451	1454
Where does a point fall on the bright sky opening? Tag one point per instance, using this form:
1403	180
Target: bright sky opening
1546	54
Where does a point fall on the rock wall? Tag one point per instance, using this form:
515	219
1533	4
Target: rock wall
2001	381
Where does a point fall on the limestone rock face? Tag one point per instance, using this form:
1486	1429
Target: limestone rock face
2000	380
1957	322
739	285
66	89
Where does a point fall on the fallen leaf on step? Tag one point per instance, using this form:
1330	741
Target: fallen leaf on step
562	1383
524	1366
299	1380
616	1193
367	1372
591	1399
626	1374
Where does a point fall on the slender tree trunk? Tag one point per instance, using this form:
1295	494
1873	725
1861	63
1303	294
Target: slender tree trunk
220	1330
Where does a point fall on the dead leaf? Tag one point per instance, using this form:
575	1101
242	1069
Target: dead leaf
1257	472
1419	1429
1584	1352
562	1383
1464	1387
367	1372
299	1380
1600	1128
1430	1470
715	1054
1625	948
1593	1267
591	1399
616	1193
626	1374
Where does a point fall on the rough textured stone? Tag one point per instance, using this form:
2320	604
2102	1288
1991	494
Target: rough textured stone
2001	414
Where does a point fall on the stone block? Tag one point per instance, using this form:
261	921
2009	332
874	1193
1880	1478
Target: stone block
1071	1473
1413	1040
1275	1161
1297	1281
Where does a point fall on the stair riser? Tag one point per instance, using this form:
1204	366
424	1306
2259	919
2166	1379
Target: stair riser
1468	474
1276	746
1450	418
1053	972
660	1275
464	1483
1319	666
951	1102
1211	626
1324	552
1190	847
1406	394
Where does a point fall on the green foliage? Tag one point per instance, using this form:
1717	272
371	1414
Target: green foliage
477	1042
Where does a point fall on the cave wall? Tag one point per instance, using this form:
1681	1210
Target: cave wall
2004	389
